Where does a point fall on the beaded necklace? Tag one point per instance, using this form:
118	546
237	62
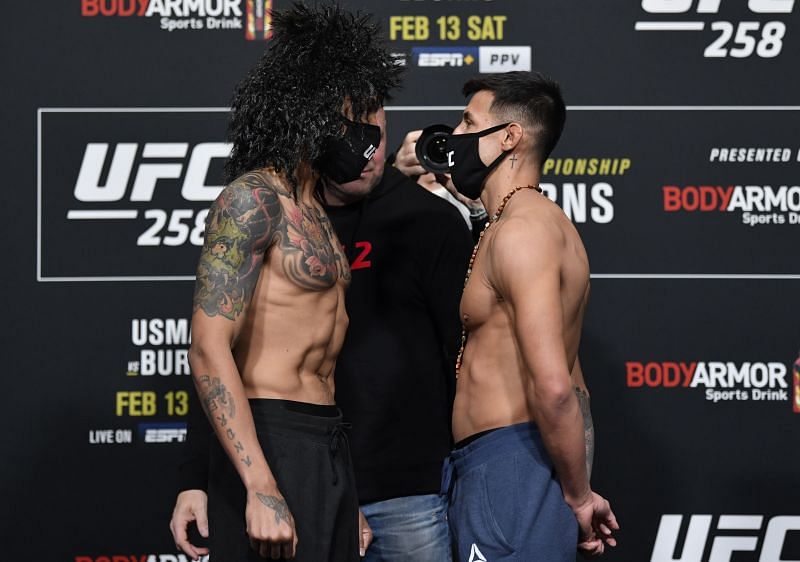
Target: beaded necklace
494	218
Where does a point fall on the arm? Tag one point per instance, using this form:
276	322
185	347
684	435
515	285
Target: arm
240	227
586	413
192	502
525	266
406	158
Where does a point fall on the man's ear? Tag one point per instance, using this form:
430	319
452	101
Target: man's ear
514	133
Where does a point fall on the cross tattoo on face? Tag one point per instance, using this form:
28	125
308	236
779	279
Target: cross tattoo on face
513	159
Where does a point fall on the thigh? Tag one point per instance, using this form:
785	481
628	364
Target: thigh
540	526
475	530
320	490
408	528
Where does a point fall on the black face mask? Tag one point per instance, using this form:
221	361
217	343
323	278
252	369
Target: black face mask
345	157
466	168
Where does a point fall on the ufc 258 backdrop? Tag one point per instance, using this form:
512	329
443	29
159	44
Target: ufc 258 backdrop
679	166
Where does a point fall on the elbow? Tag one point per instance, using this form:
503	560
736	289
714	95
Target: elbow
555	399
199	359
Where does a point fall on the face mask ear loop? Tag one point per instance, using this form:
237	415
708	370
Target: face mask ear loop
504	153
499	159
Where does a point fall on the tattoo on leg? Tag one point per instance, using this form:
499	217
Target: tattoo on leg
279	506
588	427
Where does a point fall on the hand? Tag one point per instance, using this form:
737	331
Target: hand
270	524
364	534
472	204
191	505
428	181
596	522
406	158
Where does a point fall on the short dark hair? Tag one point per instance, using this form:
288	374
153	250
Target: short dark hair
528	97
320	60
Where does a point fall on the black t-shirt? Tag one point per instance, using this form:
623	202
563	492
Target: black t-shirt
395	375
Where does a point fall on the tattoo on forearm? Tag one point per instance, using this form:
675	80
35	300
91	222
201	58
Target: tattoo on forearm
588	427
214	396
277	505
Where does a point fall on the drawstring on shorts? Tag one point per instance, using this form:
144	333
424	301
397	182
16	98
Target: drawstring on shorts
338	435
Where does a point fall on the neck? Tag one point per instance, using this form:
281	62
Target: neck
513	171
335	196
307	179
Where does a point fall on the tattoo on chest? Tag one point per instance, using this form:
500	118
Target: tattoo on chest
313	258
253	216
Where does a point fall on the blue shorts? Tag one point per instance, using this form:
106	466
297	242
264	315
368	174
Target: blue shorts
505	502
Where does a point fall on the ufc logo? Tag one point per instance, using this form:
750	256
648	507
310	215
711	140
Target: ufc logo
712	6
147	174
722	547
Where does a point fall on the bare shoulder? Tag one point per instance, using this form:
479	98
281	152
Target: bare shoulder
532	233
242	223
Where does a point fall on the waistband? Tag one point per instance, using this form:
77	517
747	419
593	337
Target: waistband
502	442
299	417
313	422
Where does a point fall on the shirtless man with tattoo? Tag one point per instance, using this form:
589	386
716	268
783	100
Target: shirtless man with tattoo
521	407
269	316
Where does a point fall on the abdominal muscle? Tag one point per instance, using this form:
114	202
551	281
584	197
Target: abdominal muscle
494	388
288	345
490	389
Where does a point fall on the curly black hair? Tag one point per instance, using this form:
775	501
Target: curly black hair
320	60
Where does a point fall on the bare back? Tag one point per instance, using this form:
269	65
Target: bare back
287	337
533	247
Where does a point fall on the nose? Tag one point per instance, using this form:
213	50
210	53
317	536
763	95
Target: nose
460	129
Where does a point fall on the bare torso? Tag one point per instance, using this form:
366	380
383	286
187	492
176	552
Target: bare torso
493	385
294	326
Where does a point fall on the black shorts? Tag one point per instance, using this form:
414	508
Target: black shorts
306	449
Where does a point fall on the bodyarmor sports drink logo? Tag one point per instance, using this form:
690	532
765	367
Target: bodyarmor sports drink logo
728	39
757	204
733	535
139	558
123	194
180	15
720	381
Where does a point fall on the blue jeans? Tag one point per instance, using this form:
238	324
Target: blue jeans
408	528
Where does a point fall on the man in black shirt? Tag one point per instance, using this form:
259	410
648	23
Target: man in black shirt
408	251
